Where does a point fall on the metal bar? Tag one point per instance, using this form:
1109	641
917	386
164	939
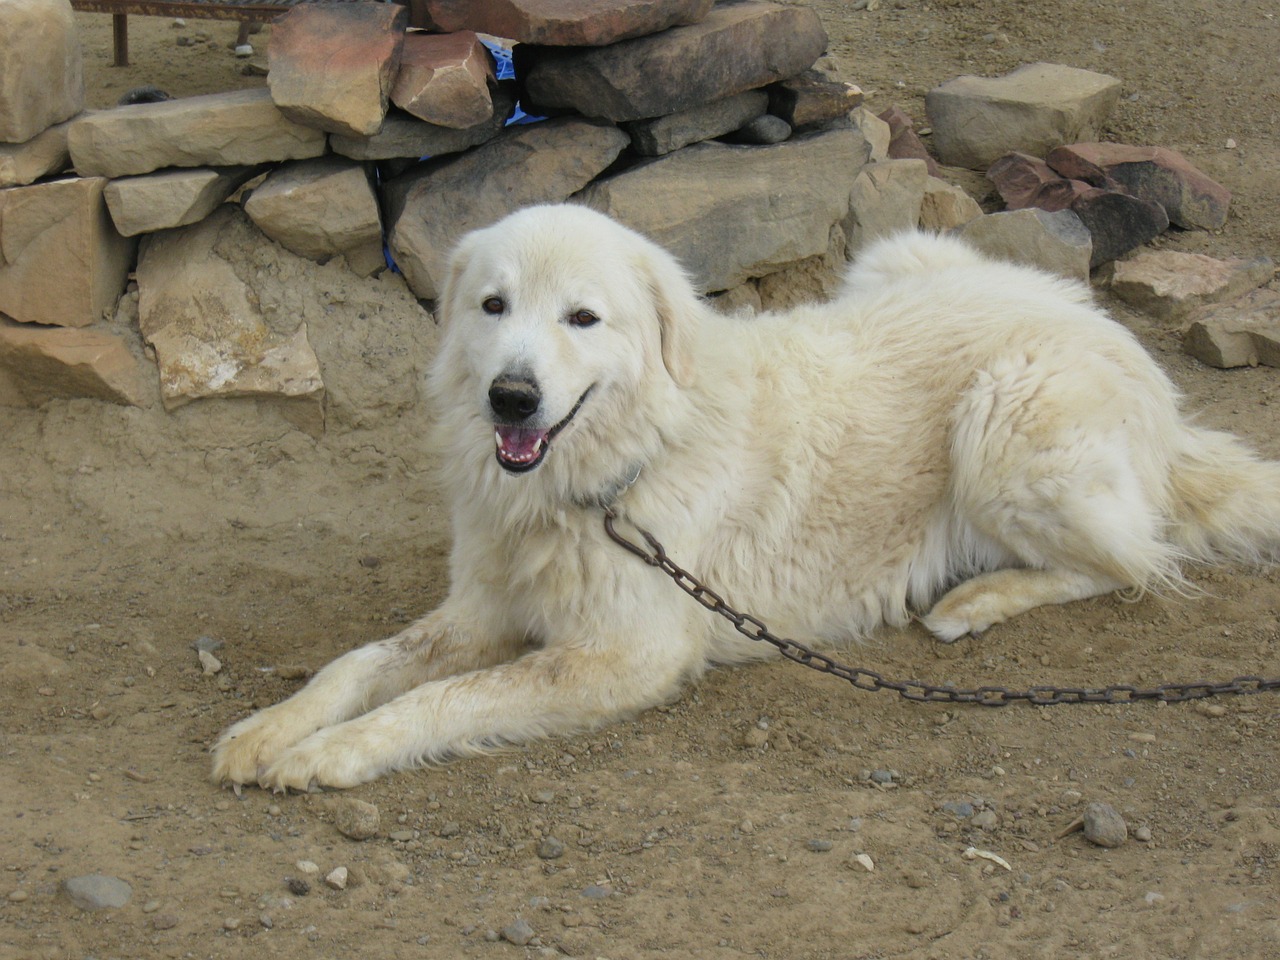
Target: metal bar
120	38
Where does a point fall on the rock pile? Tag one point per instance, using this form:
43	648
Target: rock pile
387	130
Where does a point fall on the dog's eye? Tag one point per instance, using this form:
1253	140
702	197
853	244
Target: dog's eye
583	318
492	306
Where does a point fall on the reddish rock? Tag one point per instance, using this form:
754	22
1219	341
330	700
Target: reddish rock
1163	176
331	65
38	364
1025	181
811	99
904	142
582	23
739	46
1118	222
444	79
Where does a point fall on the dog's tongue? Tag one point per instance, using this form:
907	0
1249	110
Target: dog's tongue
519	444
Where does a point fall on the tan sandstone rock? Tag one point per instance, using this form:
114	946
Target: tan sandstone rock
215	130
43	154
62	261
173	198
1171	285
210	336
320	209
38	364
41	68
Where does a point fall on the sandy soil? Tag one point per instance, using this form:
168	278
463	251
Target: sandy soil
729	824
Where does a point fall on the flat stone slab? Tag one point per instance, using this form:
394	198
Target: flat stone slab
1243	333
577	23
792	195
331	66
444	79
663	135
39	364
214	130
211	337
319	209
1170	285
404	136
44	154
1057	242
429	209
62	261
172	198
41	67
1192	199
1035	108
739	46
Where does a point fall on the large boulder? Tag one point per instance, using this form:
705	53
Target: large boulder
1035	108
41	68
212	334
739	46
731	213
62	261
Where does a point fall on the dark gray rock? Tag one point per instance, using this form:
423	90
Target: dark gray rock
1118	222
662	135
762	131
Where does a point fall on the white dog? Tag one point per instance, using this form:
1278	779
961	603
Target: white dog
949	427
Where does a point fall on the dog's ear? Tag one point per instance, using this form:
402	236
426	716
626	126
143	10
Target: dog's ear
447	305
676	305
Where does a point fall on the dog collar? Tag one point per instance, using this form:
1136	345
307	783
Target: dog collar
609	496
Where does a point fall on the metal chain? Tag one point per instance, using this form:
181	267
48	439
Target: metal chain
917	690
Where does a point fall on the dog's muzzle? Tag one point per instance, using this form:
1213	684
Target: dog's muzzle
521	445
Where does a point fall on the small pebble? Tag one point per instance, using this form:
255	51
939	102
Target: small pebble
1104	826
266	921
209	663
754	738
550	849
1142	833
308	867
97	891
819	846
356	819
164	921
450	829
297	886
881	776
865	862
151	906
231	923
519	933
336	879
17	896
958	808
401	836
597	891
986	820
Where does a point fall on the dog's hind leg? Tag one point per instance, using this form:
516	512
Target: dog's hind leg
354	683
1047	468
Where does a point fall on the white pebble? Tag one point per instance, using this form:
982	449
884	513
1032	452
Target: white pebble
865	862
209	662
308	867
337	878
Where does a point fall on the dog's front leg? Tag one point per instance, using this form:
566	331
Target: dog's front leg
560	689
358	681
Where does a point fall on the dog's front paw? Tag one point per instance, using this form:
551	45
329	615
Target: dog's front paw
329	758
249	747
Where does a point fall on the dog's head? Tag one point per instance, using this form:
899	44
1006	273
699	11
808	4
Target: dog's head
559	324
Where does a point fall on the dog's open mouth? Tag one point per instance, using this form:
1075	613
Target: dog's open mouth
521	448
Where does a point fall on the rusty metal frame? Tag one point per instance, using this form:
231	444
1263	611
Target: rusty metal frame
254	11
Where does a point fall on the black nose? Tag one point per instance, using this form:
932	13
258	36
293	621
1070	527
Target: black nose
514	399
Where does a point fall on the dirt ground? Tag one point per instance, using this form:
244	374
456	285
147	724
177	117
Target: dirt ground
737	822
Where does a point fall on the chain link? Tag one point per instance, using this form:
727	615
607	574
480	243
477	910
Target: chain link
917	690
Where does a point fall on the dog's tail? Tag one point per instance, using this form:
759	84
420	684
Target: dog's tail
1225	500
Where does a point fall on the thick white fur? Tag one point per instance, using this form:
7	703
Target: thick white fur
951	435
